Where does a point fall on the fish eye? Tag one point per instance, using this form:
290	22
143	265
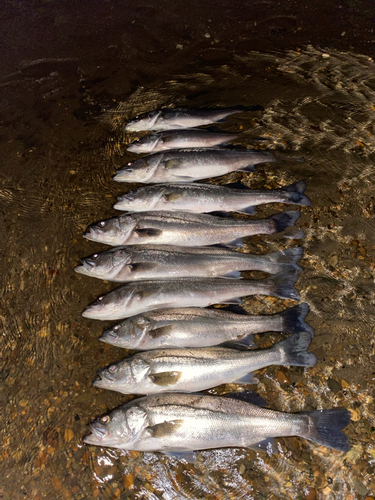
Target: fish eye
113	368
100	298
129	163
95	256
105	419
115	328
102	223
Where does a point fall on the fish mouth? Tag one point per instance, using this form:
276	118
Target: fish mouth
98	434
108	336
88	264
91	234
92	311
102	380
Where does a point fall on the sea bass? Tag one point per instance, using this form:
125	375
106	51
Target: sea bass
183	423
188	165
196	327
146	262
176	139
200	368
138	297
180	229
169	119
201	198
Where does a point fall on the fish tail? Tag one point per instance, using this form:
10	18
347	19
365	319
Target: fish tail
293	351
283	220
293	319
325	428
286	259
295	194
281	285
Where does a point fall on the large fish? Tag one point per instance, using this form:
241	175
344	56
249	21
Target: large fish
200	368
196	327
182	138
188	165
183	423
146	262
201	198
180	229
138	297
169	119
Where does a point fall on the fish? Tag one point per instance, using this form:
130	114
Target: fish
145	262
184	229
169	119
199	327
200	368
138	297
203	198
188	165
179	424
180	138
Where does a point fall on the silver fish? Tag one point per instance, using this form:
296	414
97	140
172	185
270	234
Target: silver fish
183	138
201	198
200	368
146	262
188	165
195	327
180	229
183	423
138	297
169	119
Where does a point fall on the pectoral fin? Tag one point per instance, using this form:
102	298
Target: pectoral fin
165	428
165	378
143	233
172	196
142	266
159	332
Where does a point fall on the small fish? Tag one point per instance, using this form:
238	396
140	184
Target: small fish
138	297
183	138
180	424
188	165
184	229
146	262
202	198
196	327
169	119
200	368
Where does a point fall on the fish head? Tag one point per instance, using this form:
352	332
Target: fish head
120	429
115	231
144	121
111	305
144	199
105	264
139	170
128	334
124	376
143	144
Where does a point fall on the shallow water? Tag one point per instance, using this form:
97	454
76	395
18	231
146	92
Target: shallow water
56	179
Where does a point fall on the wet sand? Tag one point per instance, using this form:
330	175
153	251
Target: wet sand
71	76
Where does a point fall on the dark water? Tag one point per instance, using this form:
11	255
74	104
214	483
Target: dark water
70	78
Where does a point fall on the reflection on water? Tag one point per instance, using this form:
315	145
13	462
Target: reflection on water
319	105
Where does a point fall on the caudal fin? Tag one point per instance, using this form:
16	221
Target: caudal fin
281	285
294	194
293	351
325	428
285	260
279	222
293	319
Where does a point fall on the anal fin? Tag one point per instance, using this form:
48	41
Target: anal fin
268	445
189	456
246	379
